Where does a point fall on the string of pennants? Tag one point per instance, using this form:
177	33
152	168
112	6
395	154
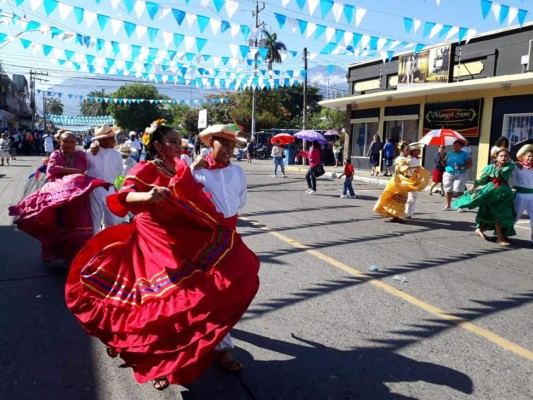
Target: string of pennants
214	100
79	120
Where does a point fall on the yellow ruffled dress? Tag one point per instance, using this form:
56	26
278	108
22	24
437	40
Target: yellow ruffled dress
392	201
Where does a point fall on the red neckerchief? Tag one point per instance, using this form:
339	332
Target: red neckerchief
527	166
212	164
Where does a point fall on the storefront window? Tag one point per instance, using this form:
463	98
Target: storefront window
399	130
517	127
362	136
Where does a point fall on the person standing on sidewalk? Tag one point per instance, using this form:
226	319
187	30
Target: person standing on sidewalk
278	154
314	161
438	170
373	154
347	186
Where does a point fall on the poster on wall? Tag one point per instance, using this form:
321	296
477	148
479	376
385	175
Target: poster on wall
426	67
461	116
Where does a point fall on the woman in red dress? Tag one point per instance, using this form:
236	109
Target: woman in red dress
58	214
163	291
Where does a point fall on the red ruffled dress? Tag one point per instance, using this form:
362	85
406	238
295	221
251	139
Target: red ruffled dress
58	214
164	290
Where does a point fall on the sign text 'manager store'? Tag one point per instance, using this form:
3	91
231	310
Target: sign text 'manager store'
461	116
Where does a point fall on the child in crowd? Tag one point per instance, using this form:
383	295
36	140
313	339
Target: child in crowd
523	178
5	144
105	163
347	185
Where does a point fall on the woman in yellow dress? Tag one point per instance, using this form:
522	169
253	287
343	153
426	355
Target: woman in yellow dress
407	178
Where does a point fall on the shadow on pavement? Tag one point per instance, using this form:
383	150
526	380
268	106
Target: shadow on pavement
43	352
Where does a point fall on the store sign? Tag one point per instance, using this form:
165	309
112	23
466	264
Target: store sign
461	116
426	67
202	119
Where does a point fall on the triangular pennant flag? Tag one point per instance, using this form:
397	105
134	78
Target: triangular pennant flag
320	30
419	47
513	12
25	43
244	50
200	43
496	7
325	7
504	13
522	16
428	26
178	39
215	25
452	32
359	14
462	33
348	13
417	24
281	19
408	23
231	7
129	27
225	26
140	31
245	29
178	15
435	30
337	10
89	18
152	8
49	6
444	31
129	4
64	10
218	4
152	33
301	4
485	8
102	21
78	12
202	22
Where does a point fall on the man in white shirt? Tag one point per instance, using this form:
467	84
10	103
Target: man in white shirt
48	144
103	162
136	144
226	182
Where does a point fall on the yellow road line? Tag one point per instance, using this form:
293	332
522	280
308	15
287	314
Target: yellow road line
492	337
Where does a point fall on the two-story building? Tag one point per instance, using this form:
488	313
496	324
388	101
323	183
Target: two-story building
483	89
14	109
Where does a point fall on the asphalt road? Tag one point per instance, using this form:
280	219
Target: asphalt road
323	325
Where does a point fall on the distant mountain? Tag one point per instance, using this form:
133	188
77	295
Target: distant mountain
332	83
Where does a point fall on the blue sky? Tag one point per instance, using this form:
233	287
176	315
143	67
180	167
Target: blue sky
381	31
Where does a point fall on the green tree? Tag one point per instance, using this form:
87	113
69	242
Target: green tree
274	46
94	107
291	98
327	119
137	115
53	106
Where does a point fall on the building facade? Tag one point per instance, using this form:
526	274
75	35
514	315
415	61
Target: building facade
14	109
483	89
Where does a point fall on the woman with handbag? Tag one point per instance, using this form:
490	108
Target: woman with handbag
315	167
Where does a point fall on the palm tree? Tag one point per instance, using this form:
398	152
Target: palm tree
54	106
92	108
271	43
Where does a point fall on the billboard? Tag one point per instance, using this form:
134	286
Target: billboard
428	66
202	119
461	116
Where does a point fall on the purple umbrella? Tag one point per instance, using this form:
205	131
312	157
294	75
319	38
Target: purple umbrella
312	136
332	132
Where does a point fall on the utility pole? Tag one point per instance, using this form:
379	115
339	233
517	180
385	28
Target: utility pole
305	91
34	76
254	90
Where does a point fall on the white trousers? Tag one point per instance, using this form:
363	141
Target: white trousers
100	213
524	202
226	343
411	203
